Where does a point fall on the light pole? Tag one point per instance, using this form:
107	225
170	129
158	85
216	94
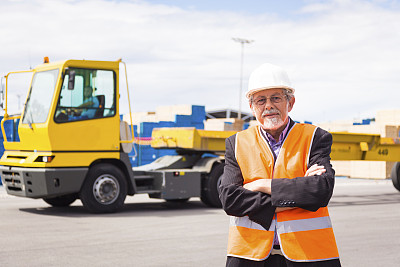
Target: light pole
242	42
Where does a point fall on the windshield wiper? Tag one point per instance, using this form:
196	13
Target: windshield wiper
28	110
29	121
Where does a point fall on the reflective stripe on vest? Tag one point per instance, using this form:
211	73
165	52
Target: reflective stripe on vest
303	235
248	239
304	225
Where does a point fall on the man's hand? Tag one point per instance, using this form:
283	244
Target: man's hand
279	209
315	170
260	185
264	185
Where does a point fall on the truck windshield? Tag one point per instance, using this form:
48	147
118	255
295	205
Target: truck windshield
40	96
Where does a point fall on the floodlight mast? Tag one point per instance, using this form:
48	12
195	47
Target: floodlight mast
242	41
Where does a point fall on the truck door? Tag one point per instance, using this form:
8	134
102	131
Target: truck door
86	111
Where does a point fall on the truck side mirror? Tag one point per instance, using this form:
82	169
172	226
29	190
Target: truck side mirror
71	80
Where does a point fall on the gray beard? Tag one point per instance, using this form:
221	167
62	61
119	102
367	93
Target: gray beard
272	123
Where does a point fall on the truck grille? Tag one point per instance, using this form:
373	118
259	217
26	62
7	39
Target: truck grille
12	181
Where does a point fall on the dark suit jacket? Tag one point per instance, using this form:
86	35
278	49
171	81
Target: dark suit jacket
309	193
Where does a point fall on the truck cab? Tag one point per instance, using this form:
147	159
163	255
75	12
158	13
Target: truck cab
69	130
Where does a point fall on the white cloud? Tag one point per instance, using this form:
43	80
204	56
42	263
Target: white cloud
342	56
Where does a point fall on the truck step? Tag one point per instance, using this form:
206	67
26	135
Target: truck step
145	182
145	190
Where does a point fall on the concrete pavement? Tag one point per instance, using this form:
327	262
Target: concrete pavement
147	232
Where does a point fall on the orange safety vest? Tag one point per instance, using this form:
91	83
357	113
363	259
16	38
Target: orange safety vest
303	235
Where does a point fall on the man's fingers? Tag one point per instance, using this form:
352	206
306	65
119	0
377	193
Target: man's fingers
315	170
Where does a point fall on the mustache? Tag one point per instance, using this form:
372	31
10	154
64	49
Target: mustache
271	111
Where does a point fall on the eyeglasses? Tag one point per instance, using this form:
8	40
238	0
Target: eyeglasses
261	101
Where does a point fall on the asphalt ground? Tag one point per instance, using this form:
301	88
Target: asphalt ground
147	232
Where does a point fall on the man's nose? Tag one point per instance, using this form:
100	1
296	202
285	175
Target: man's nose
269	105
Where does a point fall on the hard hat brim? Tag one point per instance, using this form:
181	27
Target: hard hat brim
253	91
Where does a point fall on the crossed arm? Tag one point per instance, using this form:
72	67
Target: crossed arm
264	185
261	199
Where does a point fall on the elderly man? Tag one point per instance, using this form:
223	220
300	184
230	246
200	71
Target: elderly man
277	183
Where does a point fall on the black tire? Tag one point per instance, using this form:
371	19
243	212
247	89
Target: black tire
210	184
395	175
61	201
104	189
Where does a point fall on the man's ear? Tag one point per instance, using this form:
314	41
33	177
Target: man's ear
252	108
291	103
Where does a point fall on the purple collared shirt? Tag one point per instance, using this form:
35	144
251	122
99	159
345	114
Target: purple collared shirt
275	148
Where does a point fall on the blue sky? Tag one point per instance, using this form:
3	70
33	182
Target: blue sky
290	9
284	8
341	55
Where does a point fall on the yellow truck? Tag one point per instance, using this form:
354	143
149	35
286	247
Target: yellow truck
73	144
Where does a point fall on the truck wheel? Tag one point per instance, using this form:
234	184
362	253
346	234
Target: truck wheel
210	184
104	189
61	201
395	175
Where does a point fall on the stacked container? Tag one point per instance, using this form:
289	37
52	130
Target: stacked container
168	116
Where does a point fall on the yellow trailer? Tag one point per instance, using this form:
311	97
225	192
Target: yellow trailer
371	147
346	146
190	139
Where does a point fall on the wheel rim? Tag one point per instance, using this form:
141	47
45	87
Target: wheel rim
106	189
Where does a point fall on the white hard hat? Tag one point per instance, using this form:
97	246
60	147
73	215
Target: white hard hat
268	76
